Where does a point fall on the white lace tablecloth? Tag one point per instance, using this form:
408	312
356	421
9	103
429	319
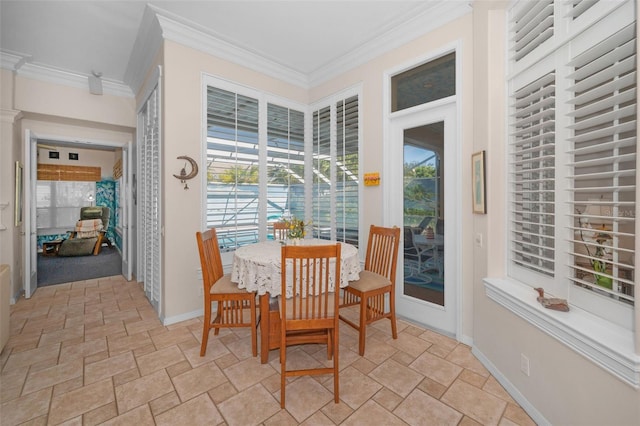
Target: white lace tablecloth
256	267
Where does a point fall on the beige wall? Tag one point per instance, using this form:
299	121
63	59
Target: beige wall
86	158
39	97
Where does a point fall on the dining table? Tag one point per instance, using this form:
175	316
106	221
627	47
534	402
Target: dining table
257	268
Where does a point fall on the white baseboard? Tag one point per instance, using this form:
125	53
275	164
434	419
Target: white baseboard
182	317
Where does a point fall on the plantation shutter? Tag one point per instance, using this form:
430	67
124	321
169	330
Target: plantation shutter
578	7
532	26
322	173
285	163
232	167
347	187
532	168
149	198
603	163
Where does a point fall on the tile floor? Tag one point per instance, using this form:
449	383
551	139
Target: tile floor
94	352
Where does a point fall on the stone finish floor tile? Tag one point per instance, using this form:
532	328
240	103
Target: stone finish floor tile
419	409
396	377
94	352
480	406
250	407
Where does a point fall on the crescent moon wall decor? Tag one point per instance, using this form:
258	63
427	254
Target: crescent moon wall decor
184	176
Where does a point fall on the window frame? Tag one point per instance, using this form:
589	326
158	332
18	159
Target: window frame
558	54
331	102
608	342
264	100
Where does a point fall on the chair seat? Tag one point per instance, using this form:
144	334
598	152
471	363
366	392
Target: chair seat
225	285
369	281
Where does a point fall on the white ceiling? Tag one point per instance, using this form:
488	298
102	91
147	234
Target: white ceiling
302	36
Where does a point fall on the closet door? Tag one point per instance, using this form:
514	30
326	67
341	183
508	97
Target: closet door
149	199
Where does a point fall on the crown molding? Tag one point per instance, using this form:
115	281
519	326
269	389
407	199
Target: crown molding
66	78
414	24
10	60
20	65
187	33
10	115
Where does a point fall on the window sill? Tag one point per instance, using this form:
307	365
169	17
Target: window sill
606	344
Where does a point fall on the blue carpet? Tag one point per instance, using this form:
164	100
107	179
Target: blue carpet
57	270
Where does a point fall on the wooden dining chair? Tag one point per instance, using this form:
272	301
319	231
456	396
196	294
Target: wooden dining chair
280	230
376	280
231	300
311	314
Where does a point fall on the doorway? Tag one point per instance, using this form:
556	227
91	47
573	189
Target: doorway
116	257
424	191
422	158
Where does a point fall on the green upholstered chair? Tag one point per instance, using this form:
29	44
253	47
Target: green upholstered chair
82	242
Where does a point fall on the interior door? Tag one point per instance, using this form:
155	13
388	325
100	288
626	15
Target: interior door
425	191
30	259
126	201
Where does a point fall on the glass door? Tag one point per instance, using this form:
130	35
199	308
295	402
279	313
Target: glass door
423	212
425	199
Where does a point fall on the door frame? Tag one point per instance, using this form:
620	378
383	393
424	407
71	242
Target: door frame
442	318
29	260
448	319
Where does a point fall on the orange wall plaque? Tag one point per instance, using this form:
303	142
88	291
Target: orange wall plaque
372	179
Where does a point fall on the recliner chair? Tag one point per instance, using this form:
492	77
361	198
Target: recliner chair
89	234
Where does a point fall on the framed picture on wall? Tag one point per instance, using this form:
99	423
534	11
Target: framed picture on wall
478	188
19	194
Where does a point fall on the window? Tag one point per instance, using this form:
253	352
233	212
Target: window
285	163
572	152
232	167
256	167
322	194
58	204
336	176
425	83
347	170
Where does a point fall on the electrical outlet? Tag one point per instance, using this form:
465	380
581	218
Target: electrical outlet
524	365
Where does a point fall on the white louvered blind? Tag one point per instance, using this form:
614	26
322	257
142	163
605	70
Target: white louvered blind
573	156
578	7
232	167
532	168
285	163
322	173
532	25
603	162
347	185
149	198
